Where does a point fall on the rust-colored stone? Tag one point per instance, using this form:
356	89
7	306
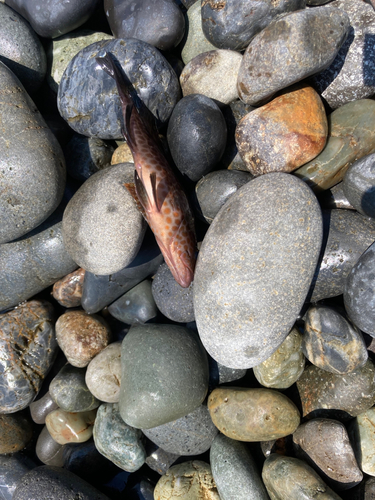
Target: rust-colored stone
68	290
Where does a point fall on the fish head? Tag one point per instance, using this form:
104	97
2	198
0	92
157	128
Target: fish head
181	259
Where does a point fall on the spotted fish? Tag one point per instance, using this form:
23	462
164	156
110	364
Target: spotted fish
156	189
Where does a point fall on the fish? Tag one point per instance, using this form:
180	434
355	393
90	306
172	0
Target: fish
156	190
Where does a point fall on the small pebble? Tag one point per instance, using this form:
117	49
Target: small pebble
68	290
158	459
40	408
103	374
48	450
66	427
135	306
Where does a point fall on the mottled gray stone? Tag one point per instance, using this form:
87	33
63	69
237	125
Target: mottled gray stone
359	185
351	75
359	292
102	227
188	435
103	375
12	468
235	472
39	409
164	374
48	451
255	267
32	165
292	48
117	441
135	306
29	348
361	431
15	432
21	50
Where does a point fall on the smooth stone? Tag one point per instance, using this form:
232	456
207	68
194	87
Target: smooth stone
252	414
32	164
202	74
12	469
117	441
243	303
232	25
135	306
88	98
282	446
351	75
66	427
21	50
361	430
331	342
29	348
15	432
187	481
195	41
189	435
215	188
285	52
175	302
103	374
122	154
157	22
196	135
48	451
40	408
346	235
158	459
335	198
164	374
288	478
70	392
68	290
352	393
235	472
268	140
220	374
326	446
359	292
55	483
102	227
285	365
54	19
81	336
359	185
351	136
100	291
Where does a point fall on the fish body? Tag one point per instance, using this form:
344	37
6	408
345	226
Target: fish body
163	202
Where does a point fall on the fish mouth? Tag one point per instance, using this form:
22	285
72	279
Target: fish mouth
182	269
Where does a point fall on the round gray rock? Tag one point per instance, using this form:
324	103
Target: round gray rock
359	185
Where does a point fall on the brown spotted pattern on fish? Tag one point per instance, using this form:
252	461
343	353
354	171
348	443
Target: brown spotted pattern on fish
156	189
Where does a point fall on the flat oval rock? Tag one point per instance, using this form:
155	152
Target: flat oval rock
359	185
248	289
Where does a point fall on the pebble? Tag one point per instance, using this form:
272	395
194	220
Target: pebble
122	154
359	185
158	459
285	365
335	198
29	348
15	432
66	427
220	374
252	414
164	374
12	468
175	302
103	374
247	290
40	408
68	290
117	441
81	336
269	141
135	306
196	135
48	451
285	53
361	430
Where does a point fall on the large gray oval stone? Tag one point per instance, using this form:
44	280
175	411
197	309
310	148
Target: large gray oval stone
255	267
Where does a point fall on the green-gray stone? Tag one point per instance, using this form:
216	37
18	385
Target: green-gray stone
361	430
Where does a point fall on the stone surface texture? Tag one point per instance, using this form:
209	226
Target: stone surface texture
195	41
103	375
135	306
68	290
66	427
359	185
15	432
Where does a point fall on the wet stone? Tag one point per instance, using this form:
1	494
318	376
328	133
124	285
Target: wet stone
15	432
285	52
68	290
359	185
12	468
66	427
48	451
361	430
284	366
252	414
122	154
40	408
135	306
103	375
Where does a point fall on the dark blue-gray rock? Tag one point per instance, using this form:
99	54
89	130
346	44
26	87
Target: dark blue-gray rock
255	267
15	432
48	451
12	469
196	135
102	226
232	25
99	291
158	459
32	164
53	18
85	156
157	22
346	235
175	302
40	408
331	342
359	292
54	483
164	374
292	48
135	306
70	392
189	435
214	189
29	347
351	75
88	99
235	471
359	185
117	441
21	50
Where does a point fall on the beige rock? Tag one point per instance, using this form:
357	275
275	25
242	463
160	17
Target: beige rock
103	375
66	427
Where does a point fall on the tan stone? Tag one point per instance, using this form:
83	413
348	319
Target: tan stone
66	427
122	154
